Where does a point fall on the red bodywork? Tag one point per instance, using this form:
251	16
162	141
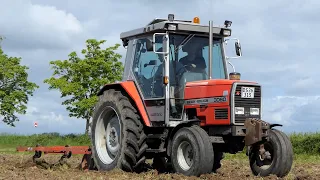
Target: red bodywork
57	149
207	89
193	90
132	91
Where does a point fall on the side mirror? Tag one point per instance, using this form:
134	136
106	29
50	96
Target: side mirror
149	45
238	48
159	39
151	63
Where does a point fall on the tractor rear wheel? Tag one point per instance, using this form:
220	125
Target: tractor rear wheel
118	139
280	158
192	152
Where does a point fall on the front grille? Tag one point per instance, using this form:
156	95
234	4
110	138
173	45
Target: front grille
221	113
247	103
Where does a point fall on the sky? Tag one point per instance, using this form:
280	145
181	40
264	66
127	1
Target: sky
278	39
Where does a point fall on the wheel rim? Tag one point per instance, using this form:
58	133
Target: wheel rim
185	155
107	135
266	163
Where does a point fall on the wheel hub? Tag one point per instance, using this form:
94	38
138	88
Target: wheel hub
185	155
265	158
113	139
108	135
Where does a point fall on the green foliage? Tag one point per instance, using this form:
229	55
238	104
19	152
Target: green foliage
306	143
80	79
45	139
15	88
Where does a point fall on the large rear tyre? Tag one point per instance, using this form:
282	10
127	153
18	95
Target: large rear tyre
280	158
192	152
118	139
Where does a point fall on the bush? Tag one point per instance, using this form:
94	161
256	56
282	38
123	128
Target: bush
306	143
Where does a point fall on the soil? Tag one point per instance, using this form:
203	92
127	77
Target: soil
20	166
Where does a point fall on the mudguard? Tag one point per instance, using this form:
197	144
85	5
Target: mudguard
130	88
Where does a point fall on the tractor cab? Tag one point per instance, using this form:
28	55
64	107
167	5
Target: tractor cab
167	54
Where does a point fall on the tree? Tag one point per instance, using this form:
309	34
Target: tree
80	79
15	88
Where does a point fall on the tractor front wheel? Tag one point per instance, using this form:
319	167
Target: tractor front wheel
273	157
192	152
118	139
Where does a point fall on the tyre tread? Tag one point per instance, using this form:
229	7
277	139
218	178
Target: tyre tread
134	141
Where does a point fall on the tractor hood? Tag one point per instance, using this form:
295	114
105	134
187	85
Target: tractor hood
210	88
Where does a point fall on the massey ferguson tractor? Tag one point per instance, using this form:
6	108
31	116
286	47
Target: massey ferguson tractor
178	106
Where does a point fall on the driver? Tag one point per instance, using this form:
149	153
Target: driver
172	77
194	60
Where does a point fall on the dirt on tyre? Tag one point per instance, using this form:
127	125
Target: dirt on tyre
281	160
118	139
192	152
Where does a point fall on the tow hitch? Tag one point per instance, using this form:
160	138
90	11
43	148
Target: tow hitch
256	131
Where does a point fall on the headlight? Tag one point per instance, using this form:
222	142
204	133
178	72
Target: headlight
172	27
239	110
254	111
226	32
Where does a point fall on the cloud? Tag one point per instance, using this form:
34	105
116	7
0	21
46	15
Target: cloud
29	26
278	42
295	113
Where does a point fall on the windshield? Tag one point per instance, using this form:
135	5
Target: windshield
191	51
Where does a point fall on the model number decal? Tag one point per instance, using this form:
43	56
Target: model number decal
207	100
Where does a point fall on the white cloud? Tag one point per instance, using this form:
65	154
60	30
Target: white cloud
278	40
294	112
29	26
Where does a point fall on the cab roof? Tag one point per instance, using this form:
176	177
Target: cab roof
163	25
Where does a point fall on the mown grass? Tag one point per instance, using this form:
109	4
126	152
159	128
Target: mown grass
304	144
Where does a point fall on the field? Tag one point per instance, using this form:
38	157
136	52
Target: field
15	165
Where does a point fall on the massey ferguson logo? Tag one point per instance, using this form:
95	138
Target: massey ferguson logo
207	100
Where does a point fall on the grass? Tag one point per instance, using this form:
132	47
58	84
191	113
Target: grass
10	142
306	145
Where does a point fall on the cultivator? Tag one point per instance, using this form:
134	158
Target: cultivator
66	151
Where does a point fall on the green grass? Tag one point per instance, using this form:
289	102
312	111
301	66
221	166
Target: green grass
306	145
10	142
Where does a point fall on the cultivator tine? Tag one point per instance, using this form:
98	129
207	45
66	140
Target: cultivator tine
86	163
66	151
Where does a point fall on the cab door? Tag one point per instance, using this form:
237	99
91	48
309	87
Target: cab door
148	71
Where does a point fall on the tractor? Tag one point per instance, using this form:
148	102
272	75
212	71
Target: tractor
178	106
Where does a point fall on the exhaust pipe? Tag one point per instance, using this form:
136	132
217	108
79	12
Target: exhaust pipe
210	49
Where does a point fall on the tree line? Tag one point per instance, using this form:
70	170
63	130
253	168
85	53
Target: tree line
78	78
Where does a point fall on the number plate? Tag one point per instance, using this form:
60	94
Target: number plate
247	92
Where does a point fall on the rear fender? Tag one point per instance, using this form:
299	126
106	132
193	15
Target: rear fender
130	88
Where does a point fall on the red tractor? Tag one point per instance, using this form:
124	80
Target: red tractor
178	105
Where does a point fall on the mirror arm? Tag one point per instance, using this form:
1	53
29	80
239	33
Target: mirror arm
234	69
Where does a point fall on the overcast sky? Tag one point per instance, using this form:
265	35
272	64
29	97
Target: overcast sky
279	43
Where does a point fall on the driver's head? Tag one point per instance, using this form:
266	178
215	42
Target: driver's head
192	48
187	48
